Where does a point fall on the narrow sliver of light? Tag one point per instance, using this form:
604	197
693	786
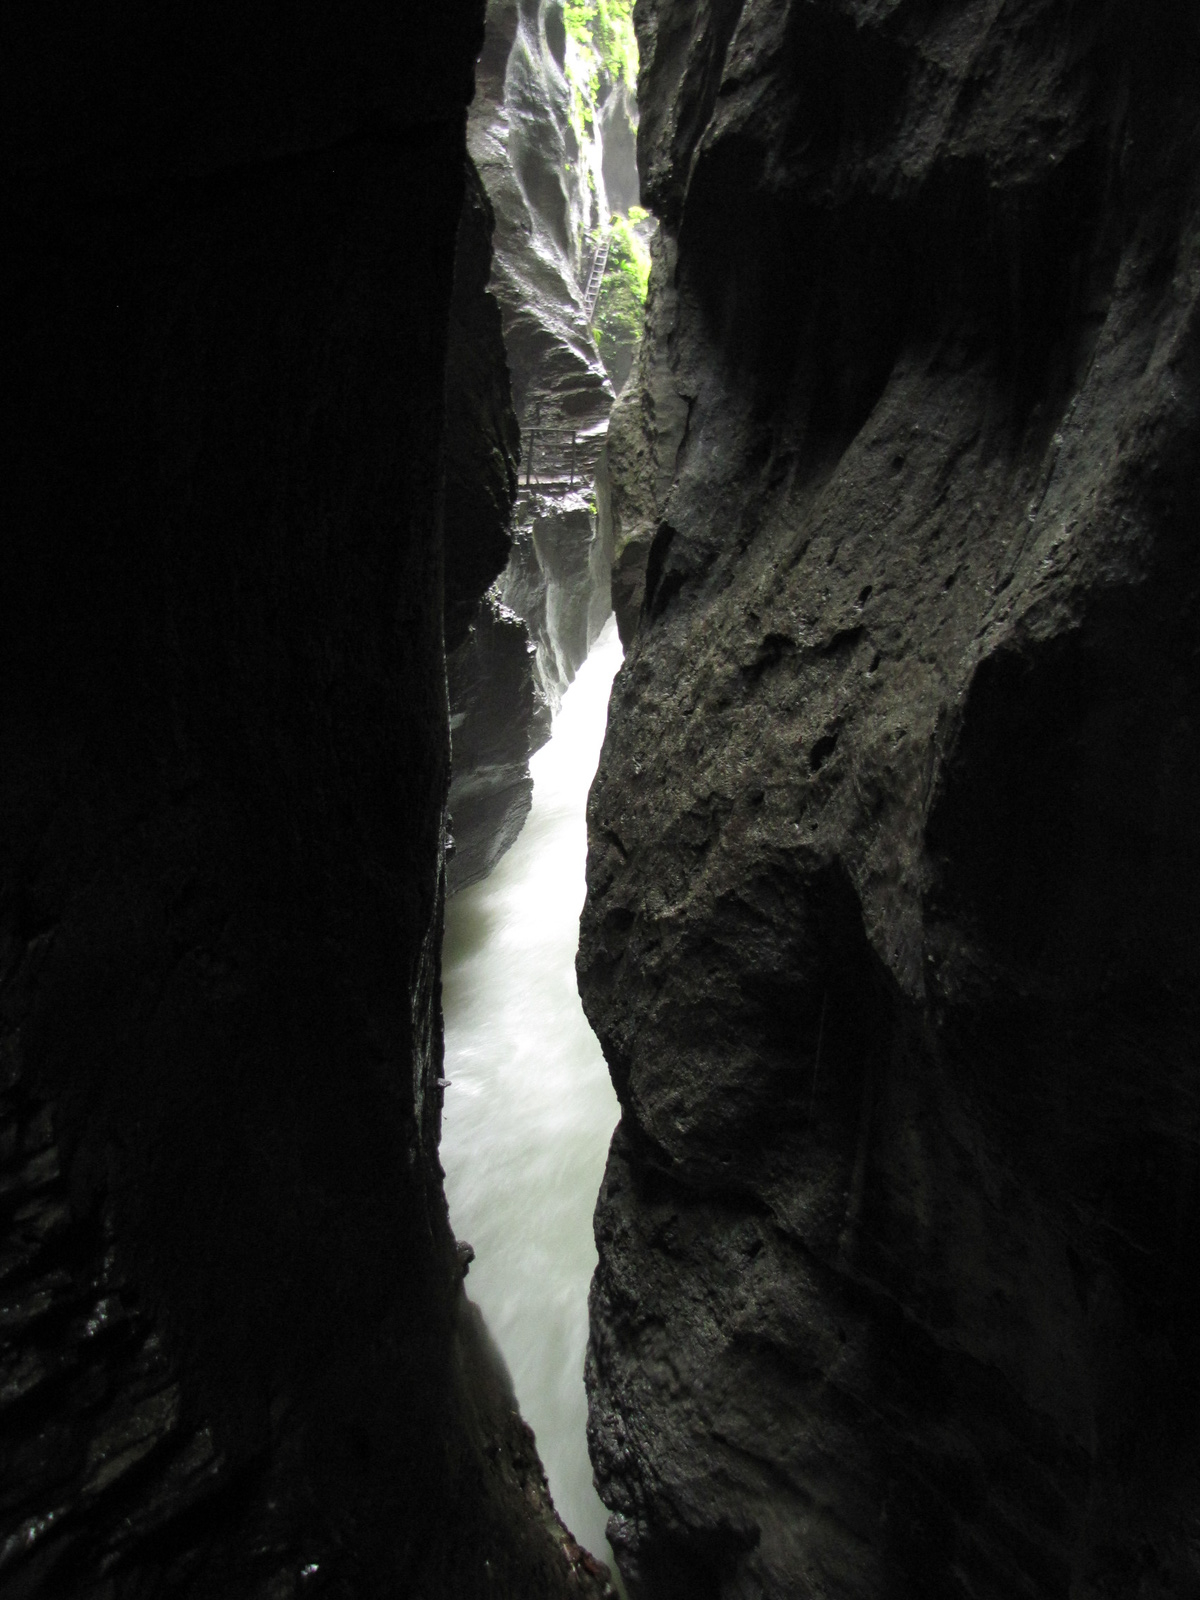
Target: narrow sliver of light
530	1109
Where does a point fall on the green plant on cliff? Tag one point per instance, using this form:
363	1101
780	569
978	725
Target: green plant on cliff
602	50
604	28
629	251
619	305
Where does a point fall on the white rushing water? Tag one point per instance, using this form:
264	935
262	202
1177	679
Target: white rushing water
530	1108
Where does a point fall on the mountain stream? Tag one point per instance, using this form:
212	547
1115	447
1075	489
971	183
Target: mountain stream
530	1109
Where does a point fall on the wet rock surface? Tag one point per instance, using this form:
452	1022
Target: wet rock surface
483	442
498	720
232	1349
522	142
645	433
557	579
618	131
497	715
891	934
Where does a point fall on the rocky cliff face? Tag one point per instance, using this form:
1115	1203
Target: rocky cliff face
235	1356
483	442
521	139
498	719
891	935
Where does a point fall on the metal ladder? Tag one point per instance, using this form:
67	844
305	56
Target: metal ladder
595	277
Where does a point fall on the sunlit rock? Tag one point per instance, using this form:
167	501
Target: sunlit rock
548	217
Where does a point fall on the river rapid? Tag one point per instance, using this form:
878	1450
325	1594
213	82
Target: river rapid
530	1109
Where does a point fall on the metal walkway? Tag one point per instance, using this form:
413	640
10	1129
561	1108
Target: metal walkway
560	454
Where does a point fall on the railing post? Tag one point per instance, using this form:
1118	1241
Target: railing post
533	433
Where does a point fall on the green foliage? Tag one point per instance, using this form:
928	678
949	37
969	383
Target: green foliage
628	254
604	28
619	305
602	52
618	321
601	46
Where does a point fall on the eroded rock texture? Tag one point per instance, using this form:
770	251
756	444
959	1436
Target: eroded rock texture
483	441
521	138
497	717
235	1357
497	720
891	935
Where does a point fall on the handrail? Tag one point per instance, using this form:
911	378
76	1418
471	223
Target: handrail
583	444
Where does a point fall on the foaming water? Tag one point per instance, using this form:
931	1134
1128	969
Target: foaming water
530	1108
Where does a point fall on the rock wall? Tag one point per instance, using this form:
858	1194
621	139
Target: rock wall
498	719
483	441
235	1355
521	139
891	935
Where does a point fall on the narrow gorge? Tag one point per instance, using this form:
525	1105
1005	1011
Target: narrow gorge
529	1110
334	428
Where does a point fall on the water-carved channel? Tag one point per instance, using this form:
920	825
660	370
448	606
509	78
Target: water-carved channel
530	1109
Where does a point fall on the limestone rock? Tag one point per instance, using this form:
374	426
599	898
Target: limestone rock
891	936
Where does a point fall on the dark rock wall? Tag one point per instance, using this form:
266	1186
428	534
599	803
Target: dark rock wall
891	935
497	720
497	716
233	1355
645	432
483	442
